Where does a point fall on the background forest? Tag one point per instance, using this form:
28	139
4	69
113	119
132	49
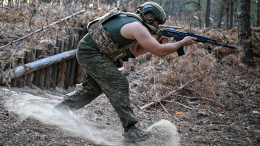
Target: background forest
211	94
220	13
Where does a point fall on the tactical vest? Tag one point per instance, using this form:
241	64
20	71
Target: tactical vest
103	39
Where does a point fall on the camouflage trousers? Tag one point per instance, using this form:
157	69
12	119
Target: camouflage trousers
101	76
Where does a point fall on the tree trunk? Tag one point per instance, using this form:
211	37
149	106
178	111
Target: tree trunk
221	13
253	20
227	15
199	10
244	31
258	13
235	14
208	13
231	13
180	11
168	8
172	8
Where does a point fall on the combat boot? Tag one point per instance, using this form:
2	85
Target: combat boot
136	134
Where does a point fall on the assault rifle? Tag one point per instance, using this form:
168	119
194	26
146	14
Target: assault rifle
179	35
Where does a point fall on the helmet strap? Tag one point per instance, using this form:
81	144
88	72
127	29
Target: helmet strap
156	30
142	16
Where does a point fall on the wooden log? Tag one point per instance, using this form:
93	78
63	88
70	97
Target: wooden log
27	59
70	42
49	71
56	66
64	65
57	41
55	69
73	64
13	81
68	66
80	73
59	70
27	56
20	80
39	64
36	77
42	78
29	78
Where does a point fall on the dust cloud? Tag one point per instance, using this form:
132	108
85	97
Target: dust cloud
166	132
27	105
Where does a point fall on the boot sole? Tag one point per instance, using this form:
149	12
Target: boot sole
139	139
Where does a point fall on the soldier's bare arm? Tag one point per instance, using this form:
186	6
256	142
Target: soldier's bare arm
136	30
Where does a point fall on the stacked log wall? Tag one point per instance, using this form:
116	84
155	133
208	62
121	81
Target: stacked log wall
63	74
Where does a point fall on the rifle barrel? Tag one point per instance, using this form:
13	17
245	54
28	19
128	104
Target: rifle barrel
179	35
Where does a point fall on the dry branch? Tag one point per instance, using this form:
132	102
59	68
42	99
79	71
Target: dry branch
43	28
180	104
202	98
175	91
175	27
167	95
257	37
36	65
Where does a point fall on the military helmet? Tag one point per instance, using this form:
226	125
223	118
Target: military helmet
151	12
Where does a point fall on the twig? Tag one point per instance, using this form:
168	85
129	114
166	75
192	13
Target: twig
180	88
191	108
202	98
54	23
257	37
182	105
166	110
175	27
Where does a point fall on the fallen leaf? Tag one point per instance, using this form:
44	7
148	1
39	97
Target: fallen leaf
178	113
228	122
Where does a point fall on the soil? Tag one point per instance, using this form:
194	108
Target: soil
229	117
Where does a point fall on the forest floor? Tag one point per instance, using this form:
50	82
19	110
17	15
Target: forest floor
190	120
207	99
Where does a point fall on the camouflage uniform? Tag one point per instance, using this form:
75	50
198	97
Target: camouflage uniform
96	52
102	76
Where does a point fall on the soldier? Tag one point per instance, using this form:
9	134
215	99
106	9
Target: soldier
107	40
